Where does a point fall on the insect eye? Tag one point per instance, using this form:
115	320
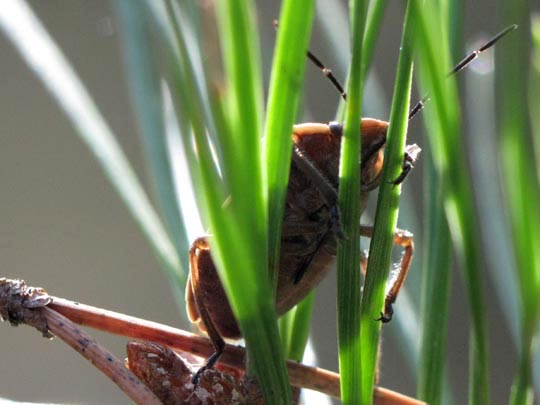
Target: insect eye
336	128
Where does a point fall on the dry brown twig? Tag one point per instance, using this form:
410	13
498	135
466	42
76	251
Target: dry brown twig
33	306
22	304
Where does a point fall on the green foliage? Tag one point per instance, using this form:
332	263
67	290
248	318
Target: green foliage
348	254
239	153
386	212
450	166
522	189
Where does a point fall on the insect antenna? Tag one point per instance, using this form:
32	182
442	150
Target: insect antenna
464	63
421	103
418	107
328	73
474	54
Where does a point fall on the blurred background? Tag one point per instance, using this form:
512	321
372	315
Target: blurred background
64	228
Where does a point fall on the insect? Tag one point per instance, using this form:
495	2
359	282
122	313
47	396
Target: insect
311	227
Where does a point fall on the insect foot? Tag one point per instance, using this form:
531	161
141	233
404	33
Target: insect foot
410	156
386	316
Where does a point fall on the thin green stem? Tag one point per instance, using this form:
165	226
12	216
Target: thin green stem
348	254
386	213
451	167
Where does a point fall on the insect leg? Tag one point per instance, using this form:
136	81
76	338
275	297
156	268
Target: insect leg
410	156
405	240
198	247
324	186
363	259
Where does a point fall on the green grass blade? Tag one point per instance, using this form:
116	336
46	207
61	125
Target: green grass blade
294	328
195	113
285	85
285	326
435	294
243	111
406	326
436	285
521	189
50	65
534	89
534	105
450	164
373	24
331	18
147	100
348	253
374	17
386	212
235	201
299	326
496	239
258	322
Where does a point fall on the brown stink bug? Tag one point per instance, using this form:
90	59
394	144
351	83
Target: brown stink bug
311	220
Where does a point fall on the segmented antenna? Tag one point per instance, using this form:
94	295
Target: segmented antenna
464	63
420	104
328	73
474	54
